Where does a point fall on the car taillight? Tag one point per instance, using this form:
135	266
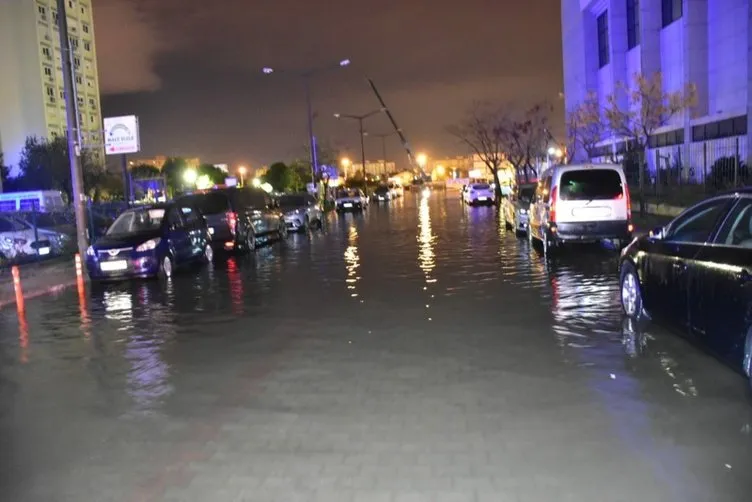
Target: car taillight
552	205
232	220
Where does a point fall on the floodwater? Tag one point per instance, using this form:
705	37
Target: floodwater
416	352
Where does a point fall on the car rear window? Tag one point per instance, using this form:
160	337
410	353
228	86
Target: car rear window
590	184
481	186
209	203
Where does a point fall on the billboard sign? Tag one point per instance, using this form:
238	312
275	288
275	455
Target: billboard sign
121	135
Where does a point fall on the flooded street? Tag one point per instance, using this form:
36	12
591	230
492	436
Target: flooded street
417	352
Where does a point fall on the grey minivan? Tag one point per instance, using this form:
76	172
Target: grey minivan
239	218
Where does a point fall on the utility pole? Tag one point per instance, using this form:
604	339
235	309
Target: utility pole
363	156
79	204
311	139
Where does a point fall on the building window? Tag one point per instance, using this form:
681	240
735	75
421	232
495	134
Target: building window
671	11
87	46
633	23
85	27
54	17
42	12
50	92
79	80
77	62
46	52
603	56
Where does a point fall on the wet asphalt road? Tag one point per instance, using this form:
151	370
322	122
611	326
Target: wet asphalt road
417	352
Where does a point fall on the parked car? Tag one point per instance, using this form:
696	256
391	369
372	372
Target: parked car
695	276
301	211
238	218
17	241
479	193
352	199
382	193
150	241
59	241
581	203
515	207
396	190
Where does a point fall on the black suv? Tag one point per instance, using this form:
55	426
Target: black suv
238	217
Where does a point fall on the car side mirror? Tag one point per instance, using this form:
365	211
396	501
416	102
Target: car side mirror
657	233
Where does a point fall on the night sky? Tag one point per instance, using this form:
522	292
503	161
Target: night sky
191	70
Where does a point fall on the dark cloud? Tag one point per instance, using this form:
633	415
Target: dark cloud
430	60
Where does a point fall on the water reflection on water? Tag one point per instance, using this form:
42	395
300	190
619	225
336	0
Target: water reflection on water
426	254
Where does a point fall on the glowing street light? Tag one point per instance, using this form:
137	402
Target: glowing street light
266	187
256	182
345	163
421	159
190	176
241	171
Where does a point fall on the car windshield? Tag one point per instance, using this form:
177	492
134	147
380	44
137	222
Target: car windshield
590	184
382	190
292	201
481	186
136	221
341	194
526	193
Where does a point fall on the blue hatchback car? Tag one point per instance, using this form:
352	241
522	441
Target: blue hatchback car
150	241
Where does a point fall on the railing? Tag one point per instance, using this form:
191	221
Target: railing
682	175
33	236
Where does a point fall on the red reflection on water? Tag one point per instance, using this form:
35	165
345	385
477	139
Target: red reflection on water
82	307
23	325
236	286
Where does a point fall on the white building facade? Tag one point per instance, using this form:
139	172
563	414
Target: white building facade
703	42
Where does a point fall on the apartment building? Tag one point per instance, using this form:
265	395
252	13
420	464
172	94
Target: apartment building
703	42
31	88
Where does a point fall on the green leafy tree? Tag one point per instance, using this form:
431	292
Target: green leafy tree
215	174
172	170
145	172
279	176
45	165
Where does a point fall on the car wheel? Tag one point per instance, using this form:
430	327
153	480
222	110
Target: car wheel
208	253
250	241
631	294
166	268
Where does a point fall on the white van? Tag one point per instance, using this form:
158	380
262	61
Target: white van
581	203
45	201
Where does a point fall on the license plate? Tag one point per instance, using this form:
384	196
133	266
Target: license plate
482	198
43	251
591	212
347	204
113	266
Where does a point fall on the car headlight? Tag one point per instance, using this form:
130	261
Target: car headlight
149	245
523	211
90	251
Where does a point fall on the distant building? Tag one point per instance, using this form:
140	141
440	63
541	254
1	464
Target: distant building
159	162
454	167
31	88
378	168
702	42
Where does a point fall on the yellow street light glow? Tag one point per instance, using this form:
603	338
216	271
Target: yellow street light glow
440	170
345	162
256	182
190	176
266	187
421	159
242	169
203	182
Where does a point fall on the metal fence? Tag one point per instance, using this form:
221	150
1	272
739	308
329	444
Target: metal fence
683	174
33	236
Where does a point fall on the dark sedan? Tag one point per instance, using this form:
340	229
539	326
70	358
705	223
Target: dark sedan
694	275
150	241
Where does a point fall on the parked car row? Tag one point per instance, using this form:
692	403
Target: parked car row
693	276
157	240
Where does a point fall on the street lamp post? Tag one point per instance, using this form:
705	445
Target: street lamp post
306	76
360	119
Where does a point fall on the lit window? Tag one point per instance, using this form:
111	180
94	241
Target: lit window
671	11
633	23
603	50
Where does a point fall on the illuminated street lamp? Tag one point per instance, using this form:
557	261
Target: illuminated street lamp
256	182
190	176
360	119
345	162
307	75
241	171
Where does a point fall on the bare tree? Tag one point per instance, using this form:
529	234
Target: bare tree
485	130
585	128
526	139
647	107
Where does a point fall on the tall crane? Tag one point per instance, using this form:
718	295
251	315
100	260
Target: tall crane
405	143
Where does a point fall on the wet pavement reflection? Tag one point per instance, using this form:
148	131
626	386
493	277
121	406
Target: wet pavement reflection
418	348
